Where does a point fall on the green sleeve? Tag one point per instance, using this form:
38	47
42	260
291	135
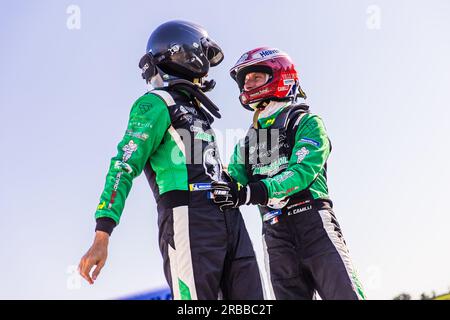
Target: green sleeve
309	155
236	168
147	125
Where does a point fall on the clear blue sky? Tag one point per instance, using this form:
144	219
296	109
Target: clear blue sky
65	97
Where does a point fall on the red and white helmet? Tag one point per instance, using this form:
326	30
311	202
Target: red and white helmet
283	82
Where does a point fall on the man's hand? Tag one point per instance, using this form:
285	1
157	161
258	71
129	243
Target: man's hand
96	256
228	194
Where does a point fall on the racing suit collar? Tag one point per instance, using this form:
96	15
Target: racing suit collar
273	107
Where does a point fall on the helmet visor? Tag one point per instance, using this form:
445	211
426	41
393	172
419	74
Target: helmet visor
241	74
212	51
254	80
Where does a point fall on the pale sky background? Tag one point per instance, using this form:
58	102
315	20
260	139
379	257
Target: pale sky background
381	86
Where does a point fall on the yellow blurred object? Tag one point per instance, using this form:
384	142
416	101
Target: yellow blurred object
443	297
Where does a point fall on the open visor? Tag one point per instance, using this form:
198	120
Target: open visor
213	52
240	74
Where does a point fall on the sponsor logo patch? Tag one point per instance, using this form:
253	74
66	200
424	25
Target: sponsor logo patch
288	82
284	176
259	92
138	135
299	210
311	141
266	53
272	168
271	215
298	204
185	109
274	220
199	186
144	107
128	150
212	164
141	124
301	154
119	165
101	205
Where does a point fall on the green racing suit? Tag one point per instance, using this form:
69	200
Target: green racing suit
148	123
287	176
206	253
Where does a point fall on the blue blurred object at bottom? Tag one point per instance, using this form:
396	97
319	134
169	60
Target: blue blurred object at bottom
162	294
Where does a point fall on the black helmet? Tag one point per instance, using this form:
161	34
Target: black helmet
180	49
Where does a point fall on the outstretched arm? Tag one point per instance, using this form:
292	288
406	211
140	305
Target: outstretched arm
148	123
149	120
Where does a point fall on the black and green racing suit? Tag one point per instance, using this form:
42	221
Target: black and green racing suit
305	251
207	254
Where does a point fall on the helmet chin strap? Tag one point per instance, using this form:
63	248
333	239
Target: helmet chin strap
260	105
255	118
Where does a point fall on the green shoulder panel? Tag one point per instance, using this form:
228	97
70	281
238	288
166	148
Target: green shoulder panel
306	165
148	122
